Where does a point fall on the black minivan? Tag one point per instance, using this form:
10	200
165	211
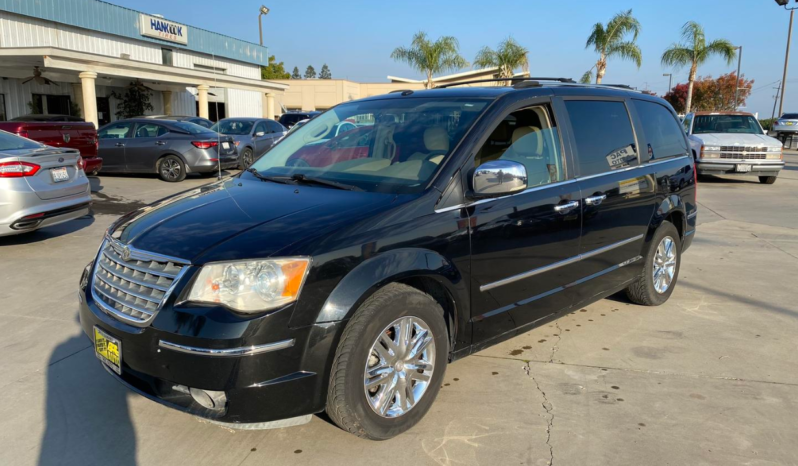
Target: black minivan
343	273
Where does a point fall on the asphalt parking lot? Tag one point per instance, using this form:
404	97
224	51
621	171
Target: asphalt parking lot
711	377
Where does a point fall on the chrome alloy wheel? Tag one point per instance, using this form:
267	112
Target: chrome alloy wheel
170	169
399	367
664	264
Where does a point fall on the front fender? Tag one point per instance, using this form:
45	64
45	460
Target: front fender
388	267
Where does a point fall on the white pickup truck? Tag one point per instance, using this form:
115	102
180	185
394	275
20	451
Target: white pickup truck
733	143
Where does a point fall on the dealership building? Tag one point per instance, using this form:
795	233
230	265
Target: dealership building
69	56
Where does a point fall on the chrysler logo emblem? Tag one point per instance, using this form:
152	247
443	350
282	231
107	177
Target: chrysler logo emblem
126	253
67	137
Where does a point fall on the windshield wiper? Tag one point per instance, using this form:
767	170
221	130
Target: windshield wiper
274	179
302	178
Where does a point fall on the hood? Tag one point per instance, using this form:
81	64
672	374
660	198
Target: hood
201	225
737	139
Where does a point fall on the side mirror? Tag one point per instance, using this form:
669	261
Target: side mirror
498	178
259	134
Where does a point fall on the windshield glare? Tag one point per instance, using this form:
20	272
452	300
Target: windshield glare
233	127
726	124
9	141
392	145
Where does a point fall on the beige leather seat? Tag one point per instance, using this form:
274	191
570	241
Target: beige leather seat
528	149
436	143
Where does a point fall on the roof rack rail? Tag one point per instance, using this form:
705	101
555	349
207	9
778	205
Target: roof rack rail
494	80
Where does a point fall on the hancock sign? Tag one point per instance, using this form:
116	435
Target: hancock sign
153	26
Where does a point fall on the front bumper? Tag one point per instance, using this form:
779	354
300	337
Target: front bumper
758	167
285	383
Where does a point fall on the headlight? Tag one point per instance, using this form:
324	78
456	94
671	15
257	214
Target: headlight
251	286
774	149
711	148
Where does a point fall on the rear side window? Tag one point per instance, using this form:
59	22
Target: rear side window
664	136
275	127
603	134
115	131
790	116
150	130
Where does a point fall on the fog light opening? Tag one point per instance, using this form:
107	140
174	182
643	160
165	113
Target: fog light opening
208	398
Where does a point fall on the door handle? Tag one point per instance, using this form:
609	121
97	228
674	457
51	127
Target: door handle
119	144
160	143
595	200
567	207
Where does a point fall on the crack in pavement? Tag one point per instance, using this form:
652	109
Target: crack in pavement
548	407
556	346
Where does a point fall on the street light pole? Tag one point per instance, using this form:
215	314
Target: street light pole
786	62
263	11
737	81
670	80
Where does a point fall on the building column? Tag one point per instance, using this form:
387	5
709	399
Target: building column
87	79
202	99
167	102
270	106
77	91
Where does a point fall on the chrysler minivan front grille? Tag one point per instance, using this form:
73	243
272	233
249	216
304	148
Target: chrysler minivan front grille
132	285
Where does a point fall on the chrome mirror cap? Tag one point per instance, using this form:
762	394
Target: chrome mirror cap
498	178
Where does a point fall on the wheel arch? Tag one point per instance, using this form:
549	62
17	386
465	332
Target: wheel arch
671	209
425	270
166	154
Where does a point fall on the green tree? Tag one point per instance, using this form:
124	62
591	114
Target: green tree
134	102
295	74
310	72
610	41
274	70
694	51
325	72
431	57
507	57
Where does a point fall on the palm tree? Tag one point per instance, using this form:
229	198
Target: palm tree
431	57
694	51
609	42
507	57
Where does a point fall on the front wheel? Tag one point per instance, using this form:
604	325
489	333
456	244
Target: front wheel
389	364
246	159
767	179
661	269
171	169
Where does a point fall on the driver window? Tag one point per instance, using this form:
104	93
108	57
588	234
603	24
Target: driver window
529	137
261	127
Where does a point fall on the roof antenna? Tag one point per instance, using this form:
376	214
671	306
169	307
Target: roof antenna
218	134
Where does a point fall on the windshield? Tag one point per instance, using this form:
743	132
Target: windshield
726	124
392	145
190	127
9	141
233	127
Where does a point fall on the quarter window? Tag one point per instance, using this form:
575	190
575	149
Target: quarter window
529	137
664	137
603	134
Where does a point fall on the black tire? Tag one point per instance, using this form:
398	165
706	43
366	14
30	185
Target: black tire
643	290
246	159
347	404
767	179
171	169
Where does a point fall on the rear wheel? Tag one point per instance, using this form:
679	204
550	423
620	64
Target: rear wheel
246	159
171	169
662	261
767	179
389	364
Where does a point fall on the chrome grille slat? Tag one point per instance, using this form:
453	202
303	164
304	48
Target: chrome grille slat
741	156
743	149
133	290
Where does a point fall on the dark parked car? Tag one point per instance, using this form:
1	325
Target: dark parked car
252	136
289	119
474	215
204	122
166	147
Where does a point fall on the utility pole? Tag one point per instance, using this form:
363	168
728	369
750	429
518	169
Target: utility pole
775	101
737	87
786	62
670	80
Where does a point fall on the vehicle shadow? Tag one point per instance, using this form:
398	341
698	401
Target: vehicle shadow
46	233
96	184
87	415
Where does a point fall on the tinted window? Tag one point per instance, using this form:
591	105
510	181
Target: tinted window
115	131
150	131
604	137
233	127
664	136
261	128
790	116
203	123
529	137
191	128
275	127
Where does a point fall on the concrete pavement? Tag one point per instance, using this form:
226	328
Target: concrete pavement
711	377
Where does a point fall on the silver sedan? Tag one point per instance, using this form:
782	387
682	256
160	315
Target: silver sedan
39	185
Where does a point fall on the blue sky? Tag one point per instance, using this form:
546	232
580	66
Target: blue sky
355	38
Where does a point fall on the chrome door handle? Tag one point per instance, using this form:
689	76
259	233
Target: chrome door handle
595	200
160	143
119	144
567	207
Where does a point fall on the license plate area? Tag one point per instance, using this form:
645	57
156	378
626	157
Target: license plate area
59	174
226	145
108	350
743	167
